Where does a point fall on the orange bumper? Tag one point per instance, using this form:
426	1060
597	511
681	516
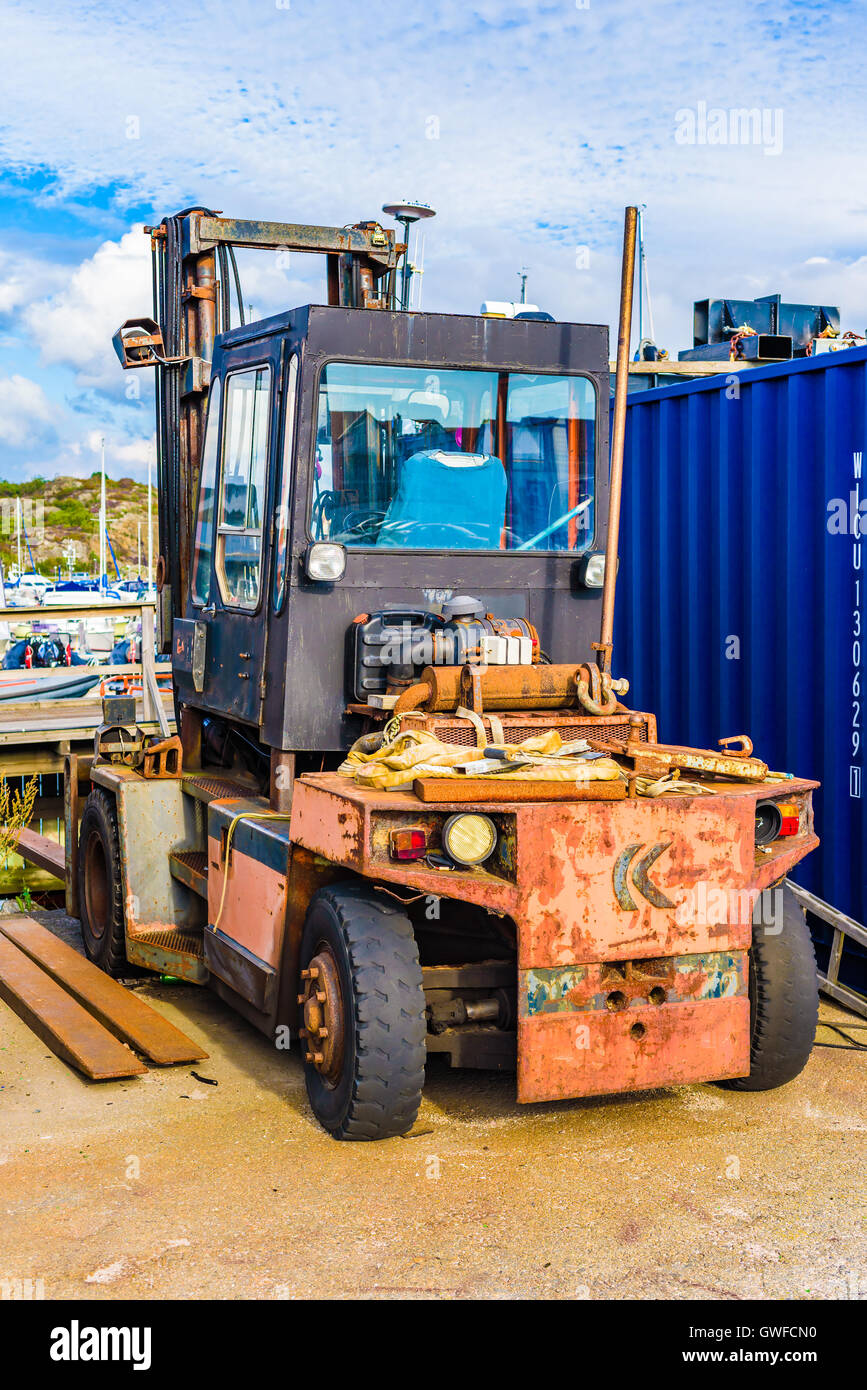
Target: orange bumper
634	919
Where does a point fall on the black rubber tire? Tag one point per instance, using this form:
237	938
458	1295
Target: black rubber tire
100	884
784	996
378	1092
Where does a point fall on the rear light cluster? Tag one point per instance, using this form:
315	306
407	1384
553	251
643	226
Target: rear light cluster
775	819
468	840
408	844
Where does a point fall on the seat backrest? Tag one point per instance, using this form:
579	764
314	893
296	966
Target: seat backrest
446	501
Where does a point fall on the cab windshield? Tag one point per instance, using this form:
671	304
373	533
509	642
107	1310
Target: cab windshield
415	459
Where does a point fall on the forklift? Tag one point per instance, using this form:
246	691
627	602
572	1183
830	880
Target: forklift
375	525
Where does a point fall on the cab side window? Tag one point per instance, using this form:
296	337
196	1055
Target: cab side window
281	554
204	542
242	498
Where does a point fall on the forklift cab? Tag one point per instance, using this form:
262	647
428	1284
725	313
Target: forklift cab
342	471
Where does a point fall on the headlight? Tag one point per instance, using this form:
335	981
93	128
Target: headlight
469	839
325	561
591	570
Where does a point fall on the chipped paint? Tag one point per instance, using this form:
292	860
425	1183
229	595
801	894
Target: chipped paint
574	989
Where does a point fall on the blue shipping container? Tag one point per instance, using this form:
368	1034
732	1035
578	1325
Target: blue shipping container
741	593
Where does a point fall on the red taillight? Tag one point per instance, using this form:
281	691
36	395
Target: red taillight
790	818
408	844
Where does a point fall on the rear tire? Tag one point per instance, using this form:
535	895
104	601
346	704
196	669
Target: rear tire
784	996
368	1079
101	884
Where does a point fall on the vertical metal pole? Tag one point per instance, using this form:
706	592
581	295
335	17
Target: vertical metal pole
150	529
149	708
618	434
103	562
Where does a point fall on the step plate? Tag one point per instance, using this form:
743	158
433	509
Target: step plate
169	950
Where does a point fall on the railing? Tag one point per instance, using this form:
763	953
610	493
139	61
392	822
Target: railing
151	700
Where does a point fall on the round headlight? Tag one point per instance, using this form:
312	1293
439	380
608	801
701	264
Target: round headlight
469	838
769	822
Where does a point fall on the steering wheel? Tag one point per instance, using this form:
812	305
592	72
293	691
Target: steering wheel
363	524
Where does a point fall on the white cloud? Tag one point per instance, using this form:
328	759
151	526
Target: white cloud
74	327
26	414
527	126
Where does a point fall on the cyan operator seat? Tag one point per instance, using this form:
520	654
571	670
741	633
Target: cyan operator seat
446	501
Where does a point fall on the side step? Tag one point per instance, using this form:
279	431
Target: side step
169	950
123	1013
190	867
208	787
61	1022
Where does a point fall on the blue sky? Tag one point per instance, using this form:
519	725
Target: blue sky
527	127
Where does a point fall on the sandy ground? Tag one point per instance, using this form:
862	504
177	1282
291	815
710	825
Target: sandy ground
167	1187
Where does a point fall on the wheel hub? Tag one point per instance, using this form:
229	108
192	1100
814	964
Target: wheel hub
322	1030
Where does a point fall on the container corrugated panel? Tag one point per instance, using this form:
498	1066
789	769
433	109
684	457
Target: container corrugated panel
741	594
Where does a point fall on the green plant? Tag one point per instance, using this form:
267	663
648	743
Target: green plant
16	808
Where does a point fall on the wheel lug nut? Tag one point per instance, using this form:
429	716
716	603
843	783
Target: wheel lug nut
318	1058
308	1056
301	998
305	974
321	996
323	1032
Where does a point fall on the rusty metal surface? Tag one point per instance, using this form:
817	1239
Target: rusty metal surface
321	1004
519	725
60	1021
123	1013
656	759
453	790
509	687
191	867
633	984
595	1053
592	880
163	917
677	858
618	435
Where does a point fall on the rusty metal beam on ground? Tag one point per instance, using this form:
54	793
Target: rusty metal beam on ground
60	1021
123	1013
44	853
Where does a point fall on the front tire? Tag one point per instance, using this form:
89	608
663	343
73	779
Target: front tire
101	885
784	994
363	1014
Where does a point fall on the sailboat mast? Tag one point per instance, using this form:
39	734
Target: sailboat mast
102	559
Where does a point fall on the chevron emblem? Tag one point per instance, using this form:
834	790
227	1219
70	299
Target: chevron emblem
640	877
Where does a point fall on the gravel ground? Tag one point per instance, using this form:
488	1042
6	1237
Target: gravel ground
168	1187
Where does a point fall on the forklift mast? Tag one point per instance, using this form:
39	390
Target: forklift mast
193	255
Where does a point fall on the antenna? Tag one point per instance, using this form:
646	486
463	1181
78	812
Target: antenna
418	272
522	276
406	214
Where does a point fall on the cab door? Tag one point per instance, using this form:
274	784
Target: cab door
232	596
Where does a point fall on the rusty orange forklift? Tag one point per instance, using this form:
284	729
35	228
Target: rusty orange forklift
374	522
